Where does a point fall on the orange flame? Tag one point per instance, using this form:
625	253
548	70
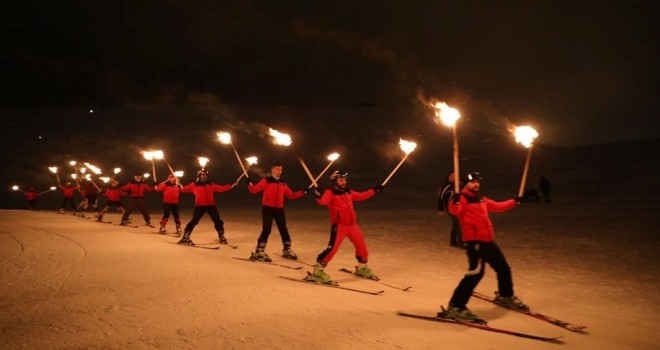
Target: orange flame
280	138
447	115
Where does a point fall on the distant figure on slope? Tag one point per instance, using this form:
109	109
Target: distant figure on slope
444	195
31	194
113	195
472	210
544	186
135	190
90	192
204	190
339	200
171	189
68	190
272	208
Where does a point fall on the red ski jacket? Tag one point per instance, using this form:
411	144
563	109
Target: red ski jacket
68	191
137	189
114	193
340	204
204	192
274	192
170	192
32	195
472	211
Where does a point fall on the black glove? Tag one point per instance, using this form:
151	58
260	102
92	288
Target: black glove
379	188
519	199
318	193
456	198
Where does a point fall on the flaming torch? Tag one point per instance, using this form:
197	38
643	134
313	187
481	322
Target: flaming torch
150	157
202	161
53	169
285	140
525	135
331	157
449	116
250	161
15	188
116	171
407	147
225	138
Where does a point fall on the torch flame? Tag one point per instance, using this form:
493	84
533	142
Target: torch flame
202	161
178	173
280	138
251	160
407	146
117	170
15	188
83	170
73	163
333	156
53	169
146	175
525	135
447	115
105	179
158	154
93	168
148	155
224	137
74	176
52	188
88	177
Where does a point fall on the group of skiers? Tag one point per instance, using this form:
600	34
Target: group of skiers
469	209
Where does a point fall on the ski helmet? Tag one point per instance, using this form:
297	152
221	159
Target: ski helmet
203	172
338	174
473	176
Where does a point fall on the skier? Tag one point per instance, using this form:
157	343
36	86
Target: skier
204	190
68	191
135	190
272	208
31	196
339	200
113	195
170	188
472	209
444	195
90	192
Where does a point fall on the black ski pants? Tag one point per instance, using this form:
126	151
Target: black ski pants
478	254
268	214
212	210
140	203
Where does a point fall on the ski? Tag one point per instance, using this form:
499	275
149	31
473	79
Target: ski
194	246
271	263
296	260
217	242
127	225
551	320
481	326
103	222
165	234
405	289
333	286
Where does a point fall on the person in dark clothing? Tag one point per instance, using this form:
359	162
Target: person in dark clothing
272	208
472	209
544	186
204	191
444	195
135	190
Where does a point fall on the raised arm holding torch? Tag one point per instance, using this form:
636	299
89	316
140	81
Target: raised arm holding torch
225	138
285	140
407	147
525	135
331	157
53	169
449	116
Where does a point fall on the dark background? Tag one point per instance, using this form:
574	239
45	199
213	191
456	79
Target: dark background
339	76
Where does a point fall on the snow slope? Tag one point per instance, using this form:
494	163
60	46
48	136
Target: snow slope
70	283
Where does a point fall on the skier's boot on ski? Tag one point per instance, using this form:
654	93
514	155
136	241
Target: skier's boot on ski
288	253
365	271
511	302
162	230
221	237
178	230
260	253
185	240
319	276
460	314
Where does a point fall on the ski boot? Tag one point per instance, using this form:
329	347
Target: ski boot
124	223
178	230
260	256
221	237
319	276
61	211
288	253
162	230
460	314
365	271
511	302
99	218
185	240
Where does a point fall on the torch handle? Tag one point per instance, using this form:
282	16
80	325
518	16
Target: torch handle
57	177
153	170
457	172
309	174
169	166
525	171
239	161
323	172
395	169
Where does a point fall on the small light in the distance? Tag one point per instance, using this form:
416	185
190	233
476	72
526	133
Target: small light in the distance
91	111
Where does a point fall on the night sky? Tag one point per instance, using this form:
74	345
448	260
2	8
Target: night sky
582	72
